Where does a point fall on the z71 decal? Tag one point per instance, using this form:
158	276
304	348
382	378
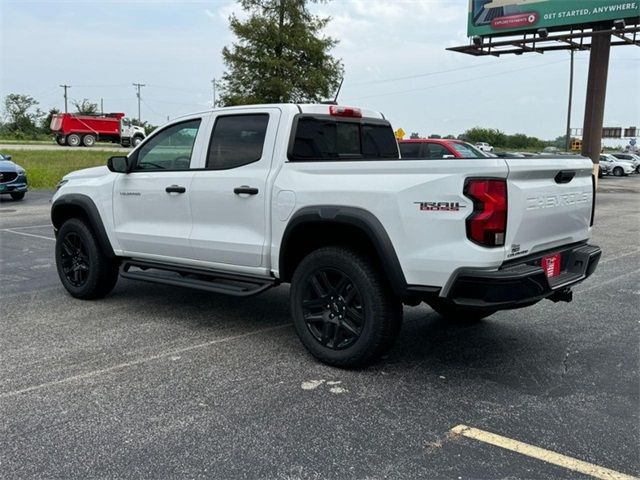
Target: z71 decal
440	206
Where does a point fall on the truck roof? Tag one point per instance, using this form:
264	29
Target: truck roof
310	108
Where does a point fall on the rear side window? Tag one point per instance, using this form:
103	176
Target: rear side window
237	140
410	150
319	138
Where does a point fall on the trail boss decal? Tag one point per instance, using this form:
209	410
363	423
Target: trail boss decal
440	206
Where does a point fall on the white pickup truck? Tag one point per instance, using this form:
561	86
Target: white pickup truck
238	200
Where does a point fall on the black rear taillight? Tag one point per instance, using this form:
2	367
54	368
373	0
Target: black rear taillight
487	225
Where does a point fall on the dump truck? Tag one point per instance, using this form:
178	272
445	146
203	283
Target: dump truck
75	130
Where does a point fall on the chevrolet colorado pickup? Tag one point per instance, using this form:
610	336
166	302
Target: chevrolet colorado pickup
241	199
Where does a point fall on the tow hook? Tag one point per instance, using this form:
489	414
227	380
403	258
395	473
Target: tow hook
564	295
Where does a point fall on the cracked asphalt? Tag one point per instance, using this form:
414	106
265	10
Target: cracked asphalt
163	382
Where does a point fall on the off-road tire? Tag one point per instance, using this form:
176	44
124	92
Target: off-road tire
379	311
460	315
101	272
17	195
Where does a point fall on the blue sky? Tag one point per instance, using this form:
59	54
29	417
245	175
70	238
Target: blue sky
174	47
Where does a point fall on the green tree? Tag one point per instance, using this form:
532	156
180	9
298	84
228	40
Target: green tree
85	107
280	55
45	123
22	114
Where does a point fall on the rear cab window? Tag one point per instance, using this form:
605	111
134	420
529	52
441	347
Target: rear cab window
327	138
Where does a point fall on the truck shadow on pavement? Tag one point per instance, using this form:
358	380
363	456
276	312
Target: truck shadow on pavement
504	349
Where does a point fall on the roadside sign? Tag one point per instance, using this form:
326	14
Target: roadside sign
496	17
400	133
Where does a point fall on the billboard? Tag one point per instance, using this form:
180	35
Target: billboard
496	17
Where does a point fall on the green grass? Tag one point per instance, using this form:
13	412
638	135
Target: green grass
45	168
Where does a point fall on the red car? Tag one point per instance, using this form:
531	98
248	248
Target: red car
438	148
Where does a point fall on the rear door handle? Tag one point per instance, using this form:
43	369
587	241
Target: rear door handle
246	190
175	189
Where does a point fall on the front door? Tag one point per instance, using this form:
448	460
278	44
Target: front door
151	206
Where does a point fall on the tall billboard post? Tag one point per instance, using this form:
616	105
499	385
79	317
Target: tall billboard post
500	27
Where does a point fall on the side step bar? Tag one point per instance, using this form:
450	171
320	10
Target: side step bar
239	285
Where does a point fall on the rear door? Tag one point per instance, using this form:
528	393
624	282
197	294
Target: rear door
229	196
550	203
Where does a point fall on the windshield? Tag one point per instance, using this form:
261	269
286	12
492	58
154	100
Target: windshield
467	151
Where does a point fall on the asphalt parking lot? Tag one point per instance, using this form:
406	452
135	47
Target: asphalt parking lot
162	382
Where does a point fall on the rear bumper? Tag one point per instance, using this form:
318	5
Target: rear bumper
524	282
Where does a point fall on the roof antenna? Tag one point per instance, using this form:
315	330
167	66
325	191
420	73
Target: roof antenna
335	100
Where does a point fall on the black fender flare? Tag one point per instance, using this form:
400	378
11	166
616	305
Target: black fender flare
76	201
360	218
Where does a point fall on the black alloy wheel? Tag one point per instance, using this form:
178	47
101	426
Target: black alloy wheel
333	309
343	309
74	259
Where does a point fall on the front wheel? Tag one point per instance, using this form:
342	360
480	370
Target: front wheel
85	271
343	310
618	172
17	195
457	314
136	141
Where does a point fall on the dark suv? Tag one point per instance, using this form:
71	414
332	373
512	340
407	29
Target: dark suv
13	178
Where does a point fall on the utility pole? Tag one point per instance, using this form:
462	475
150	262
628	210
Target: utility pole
102	106
568	137
138	86
65	96
213	84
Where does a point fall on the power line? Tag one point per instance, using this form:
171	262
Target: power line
457	82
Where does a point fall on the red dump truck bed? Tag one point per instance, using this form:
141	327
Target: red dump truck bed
100	125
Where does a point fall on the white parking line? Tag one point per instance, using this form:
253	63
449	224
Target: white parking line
120	366
28	226
27	234
541	454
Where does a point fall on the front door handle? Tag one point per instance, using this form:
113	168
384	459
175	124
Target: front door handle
175	189
245	189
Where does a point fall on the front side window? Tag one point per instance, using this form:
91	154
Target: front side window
237	140
435	151
170	149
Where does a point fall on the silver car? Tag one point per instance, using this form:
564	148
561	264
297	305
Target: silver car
614	166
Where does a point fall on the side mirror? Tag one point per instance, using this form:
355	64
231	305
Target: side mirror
119	164
8	157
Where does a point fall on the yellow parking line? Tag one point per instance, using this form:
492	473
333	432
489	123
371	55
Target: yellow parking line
541	454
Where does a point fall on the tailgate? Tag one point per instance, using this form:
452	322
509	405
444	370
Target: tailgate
549	203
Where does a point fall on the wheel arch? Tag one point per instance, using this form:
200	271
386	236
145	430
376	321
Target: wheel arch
316	226
76	205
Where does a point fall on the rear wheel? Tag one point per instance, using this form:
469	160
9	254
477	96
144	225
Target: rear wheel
618	172
461	315
343	311
73	140
17	195
60	140
88	140
85	271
